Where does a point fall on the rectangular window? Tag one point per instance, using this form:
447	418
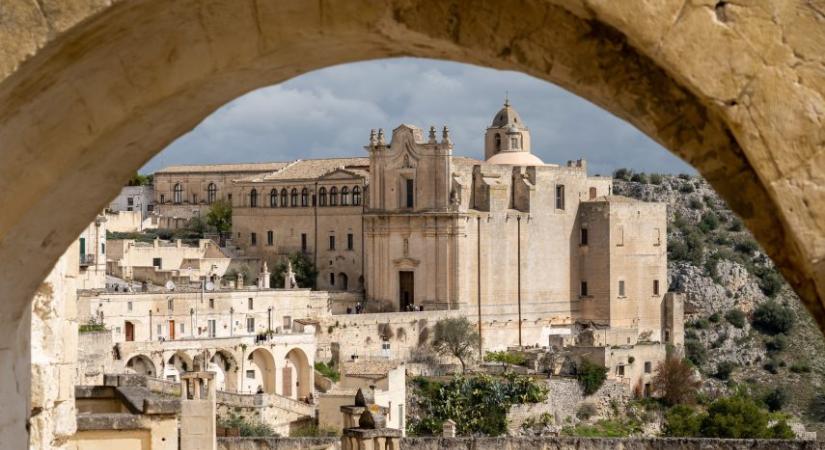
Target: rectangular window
332	242
162	199
130	201
194	198
350	241
303	242
249	304
250	374
182	328
560	196
156	262
584	289
160	330
103	248
211	303
128	208
229	197
385	345
648	367
287	322
583	236
250	324
410	193
621	288
270	238
253	238
170	305
129	306
212	327
332	280
620	371
655	287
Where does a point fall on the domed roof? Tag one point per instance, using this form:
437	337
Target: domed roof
516	159
506	116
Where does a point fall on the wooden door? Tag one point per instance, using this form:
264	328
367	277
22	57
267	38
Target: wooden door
130	331
171	329
406	288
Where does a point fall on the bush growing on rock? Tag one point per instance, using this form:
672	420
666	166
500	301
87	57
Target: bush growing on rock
655	178
724	370
746	246
682	421
623	174
709	222
771	317
776	399
739	417
591	376
736	318
695	352
777	343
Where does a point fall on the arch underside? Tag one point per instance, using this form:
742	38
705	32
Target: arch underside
89	94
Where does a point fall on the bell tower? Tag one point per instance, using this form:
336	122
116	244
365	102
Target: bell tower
507	133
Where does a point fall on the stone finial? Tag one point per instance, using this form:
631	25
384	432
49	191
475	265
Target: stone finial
381	140
432	135
373	140
445	135
359	398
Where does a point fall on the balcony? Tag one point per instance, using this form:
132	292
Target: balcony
87	260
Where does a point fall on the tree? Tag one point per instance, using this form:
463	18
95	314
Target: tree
682	421
306	274
140	180
456	337
220	216
739	417
675	381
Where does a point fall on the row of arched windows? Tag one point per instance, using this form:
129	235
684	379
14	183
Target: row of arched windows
211	194
293	198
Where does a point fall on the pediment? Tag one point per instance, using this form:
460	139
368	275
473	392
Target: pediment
406	262
340	174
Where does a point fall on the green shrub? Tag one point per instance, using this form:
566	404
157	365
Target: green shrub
695	203
684	176
516	359
709	222
591	376
746	246
800	367
770	281
735	225
699	324
478	404
639	178
816	407
777	343
772	365
686	188
776	399
690	248
247	428
604	428
771	317
655	178
739	417
714	318
623	174
682	421
724	369
736	318
328	371
92	326
696	352
586	411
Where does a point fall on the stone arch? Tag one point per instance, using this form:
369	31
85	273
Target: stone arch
142	365
226	370
68	100
176	364
297	375
261	363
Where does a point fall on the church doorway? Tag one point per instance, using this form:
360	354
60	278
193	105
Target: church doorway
406	288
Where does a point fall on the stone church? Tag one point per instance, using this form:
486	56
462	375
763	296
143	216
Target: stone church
533	250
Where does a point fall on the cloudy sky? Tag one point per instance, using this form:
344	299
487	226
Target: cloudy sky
330	113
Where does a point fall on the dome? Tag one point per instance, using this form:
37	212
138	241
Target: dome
506	116
515	159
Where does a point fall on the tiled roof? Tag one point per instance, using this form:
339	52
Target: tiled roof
304	169
243	167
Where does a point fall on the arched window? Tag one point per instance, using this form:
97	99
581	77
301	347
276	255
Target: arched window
253	198
293	197
304	197
177	193
356	196
322	196
273	198
284	196
498	142
333	196
211	193
344	196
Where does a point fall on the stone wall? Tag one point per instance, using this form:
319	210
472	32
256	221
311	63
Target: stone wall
542	443
94	357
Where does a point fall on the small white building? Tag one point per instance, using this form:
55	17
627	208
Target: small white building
135	198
